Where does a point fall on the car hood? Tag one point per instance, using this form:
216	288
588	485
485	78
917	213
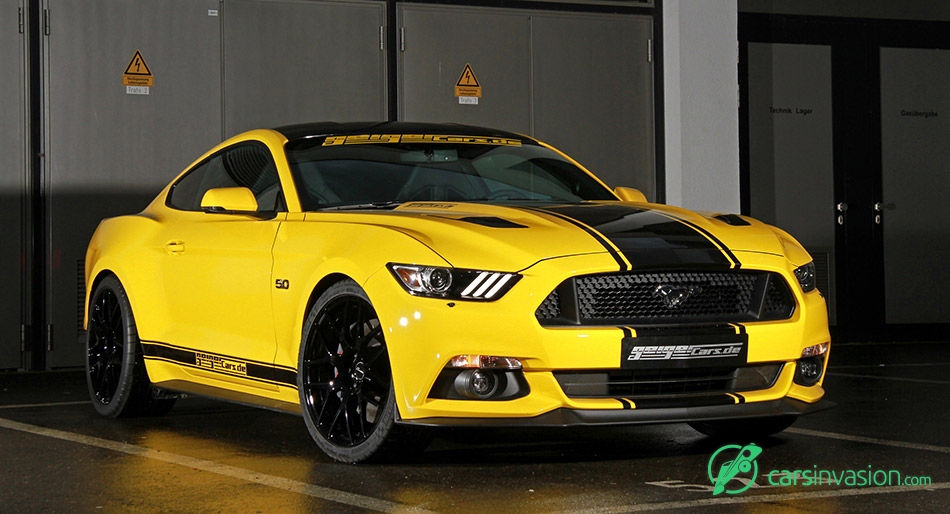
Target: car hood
512	237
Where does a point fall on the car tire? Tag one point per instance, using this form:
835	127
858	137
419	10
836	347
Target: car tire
743	429
115	368
345	380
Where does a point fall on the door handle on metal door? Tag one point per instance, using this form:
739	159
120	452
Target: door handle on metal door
879	209
841	208
175	247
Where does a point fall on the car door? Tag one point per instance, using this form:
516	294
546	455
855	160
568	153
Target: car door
217	267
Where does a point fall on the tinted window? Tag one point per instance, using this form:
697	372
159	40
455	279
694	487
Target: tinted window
245	165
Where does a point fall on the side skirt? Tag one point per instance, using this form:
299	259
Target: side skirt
217	393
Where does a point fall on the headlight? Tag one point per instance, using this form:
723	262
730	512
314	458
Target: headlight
807	277
453	283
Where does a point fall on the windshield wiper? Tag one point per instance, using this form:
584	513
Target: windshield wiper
358	206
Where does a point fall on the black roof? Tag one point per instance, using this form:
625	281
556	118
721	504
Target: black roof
306	130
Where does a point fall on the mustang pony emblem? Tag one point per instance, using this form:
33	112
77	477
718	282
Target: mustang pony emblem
674	296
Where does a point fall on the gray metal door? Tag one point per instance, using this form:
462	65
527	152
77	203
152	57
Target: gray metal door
791	163
13	170
592	93
582	82
915	165
112	146
439	41
291	62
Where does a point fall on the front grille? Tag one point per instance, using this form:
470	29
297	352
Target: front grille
664	298
666	383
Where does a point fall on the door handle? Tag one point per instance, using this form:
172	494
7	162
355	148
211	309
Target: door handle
175	247
879	208
841	208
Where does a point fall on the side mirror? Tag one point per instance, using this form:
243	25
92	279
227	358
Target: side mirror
229	200
629	194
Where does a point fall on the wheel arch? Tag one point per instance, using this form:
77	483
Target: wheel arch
101	274
318	289
90	287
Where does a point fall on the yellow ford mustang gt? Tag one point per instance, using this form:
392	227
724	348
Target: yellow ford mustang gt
376	278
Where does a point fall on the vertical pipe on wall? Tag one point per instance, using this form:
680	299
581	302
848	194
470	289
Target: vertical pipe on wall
35	249
659	122
222	14
392	41
24	165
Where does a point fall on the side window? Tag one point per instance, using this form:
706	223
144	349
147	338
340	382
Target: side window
187	192
244	165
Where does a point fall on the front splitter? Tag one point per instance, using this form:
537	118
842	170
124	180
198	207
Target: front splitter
577	417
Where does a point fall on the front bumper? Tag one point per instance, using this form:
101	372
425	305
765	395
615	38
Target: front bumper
565	417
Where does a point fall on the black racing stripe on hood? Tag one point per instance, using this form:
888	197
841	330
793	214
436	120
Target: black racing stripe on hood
649	239
613	252
719	244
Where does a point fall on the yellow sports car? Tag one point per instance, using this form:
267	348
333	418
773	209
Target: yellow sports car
380	277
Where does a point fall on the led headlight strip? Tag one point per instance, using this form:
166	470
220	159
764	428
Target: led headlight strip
486	285
453	283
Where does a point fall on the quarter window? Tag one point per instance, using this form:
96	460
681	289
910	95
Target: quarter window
244	165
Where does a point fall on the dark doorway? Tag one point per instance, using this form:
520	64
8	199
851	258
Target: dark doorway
843	130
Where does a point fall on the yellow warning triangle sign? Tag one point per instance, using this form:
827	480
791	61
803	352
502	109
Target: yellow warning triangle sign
467	84
137	72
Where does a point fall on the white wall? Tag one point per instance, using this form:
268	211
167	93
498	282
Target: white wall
700	75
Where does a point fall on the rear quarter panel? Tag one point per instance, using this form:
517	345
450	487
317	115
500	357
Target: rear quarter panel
126	247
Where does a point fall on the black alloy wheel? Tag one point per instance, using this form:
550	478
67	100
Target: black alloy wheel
345	378
106	343
115	370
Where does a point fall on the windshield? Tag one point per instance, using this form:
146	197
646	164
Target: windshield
334	173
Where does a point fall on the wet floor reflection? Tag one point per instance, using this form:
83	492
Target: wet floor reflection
217	457
463	470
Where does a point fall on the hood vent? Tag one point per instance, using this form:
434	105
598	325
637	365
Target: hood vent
491	221
732	219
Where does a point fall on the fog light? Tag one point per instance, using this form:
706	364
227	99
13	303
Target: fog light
478	384
483	383
808	371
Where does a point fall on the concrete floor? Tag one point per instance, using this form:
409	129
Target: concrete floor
57	455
